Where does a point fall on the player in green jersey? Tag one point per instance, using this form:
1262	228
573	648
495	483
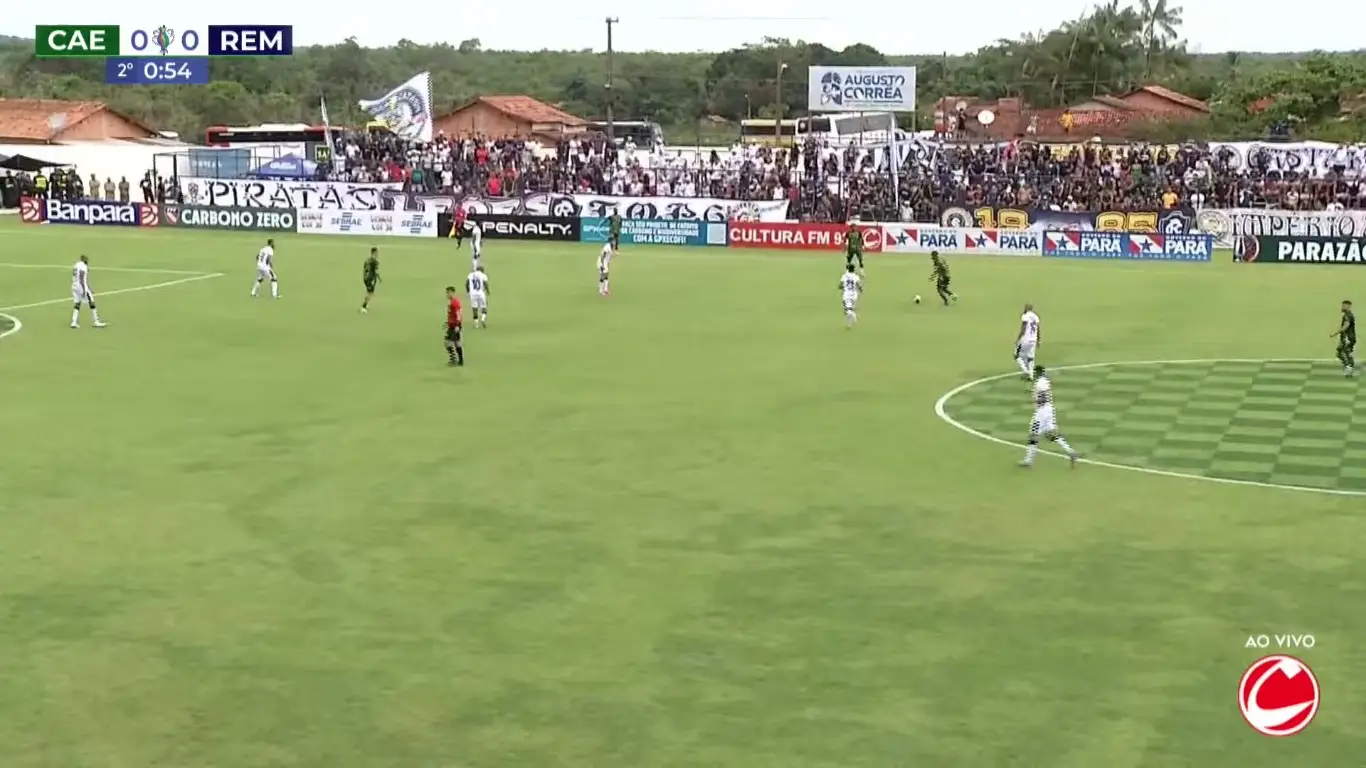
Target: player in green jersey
369	274
940	276
1347	339
614	229
853	247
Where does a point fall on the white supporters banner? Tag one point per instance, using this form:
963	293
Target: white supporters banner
374	223
696	208
407	109
246	193
924	238
1229	224
1313	157
860	89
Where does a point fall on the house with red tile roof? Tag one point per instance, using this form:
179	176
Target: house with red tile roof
509	116
45	121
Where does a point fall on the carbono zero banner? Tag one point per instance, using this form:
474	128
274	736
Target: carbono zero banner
800	236
381	223
244	219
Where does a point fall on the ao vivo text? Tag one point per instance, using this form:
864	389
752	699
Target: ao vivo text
1279	641
65	41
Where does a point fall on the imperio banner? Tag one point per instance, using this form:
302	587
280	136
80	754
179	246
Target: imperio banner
1174	221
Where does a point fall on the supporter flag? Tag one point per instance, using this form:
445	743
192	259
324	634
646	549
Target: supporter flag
407	109
327	129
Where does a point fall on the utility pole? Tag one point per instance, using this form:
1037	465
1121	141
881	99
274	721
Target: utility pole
778	106
611	132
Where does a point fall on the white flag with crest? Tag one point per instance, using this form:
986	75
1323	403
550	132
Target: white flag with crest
406	110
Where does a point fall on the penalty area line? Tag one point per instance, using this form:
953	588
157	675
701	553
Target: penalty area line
134	289
142	270
15	326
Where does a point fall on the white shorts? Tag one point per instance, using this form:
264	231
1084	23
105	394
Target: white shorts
1026	349
82	296
1045	422
479	300
602	273
849	304
265	273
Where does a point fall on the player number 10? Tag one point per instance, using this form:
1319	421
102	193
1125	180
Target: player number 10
1109	221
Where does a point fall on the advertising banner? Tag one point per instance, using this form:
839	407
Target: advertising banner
1313	157
381	223
300	195
683	208
800	236
913	238
507	227
1277	249
97	213
32	210
657	232
240	219
860	89
1126	246
1229	224
1174	221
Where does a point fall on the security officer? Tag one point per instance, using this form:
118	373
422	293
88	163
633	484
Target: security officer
40	184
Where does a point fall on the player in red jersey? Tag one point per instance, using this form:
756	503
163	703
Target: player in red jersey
458	225
454	324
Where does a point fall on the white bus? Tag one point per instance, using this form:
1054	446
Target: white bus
645	134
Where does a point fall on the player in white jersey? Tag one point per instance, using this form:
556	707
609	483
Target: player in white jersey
265	270
81	293
1045	421
604	265
1027	342
851	287
477	286
476	243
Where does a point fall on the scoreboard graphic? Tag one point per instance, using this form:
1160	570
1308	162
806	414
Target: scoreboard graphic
160	54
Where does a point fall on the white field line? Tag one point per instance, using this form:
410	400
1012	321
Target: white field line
135	289
940	410
146	271
15	325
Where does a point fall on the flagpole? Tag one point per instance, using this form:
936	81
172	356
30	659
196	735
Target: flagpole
327	131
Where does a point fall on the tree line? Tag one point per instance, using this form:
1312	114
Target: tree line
1111	49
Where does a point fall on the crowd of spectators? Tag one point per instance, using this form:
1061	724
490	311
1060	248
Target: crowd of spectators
833	183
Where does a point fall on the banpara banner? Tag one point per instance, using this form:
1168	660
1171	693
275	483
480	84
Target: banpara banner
800	236
1125	246
1295	249
299	195
860	89
497	226
656	232
374	223
924	238
1174	221
90	213
1228	225
238	219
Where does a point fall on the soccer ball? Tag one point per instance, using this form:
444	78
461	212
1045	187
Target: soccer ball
917	299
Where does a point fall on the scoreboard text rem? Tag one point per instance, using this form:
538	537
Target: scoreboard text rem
158	55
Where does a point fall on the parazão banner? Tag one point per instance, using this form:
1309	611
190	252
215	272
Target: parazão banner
1275	249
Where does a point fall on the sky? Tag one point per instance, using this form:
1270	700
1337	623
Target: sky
891	26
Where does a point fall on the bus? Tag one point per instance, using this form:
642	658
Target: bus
765	131
270	140
645	134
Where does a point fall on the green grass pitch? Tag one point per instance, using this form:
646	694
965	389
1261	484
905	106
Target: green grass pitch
696	524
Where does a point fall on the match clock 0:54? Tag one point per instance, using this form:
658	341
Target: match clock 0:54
156	70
